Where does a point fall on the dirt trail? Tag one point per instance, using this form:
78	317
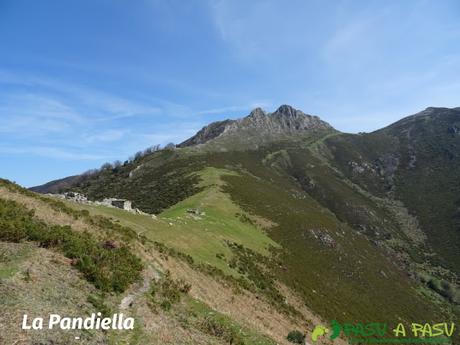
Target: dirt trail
141	288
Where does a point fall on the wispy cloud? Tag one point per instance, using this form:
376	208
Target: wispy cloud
99	101
235	108
267	31
44	117
106	136
352	39
52	152
26	113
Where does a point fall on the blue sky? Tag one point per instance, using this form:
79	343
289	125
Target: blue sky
89	81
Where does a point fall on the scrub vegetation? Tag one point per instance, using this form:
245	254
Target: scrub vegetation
109	269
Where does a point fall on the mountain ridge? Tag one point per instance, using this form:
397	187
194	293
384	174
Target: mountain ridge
285	120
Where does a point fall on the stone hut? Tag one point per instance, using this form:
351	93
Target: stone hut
118	203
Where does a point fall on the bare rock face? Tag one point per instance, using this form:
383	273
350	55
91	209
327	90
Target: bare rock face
285	120
323	237
207	133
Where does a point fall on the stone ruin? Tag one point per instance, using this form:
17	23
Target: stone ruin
72	196
122	204
118	203
195	212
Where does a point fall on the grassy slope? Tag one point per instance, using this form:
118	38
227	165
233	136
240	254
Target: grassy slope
204	237
345	282
354	280
37	282
41	281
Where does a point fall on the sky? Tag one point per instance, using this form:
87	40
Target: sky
93	81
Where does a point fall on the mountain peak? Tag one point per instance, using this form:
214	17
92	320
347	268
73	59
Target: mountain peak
287	110
257	112
260	126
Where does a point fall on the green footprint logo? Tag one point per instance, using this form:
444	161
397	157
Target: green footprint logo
318	332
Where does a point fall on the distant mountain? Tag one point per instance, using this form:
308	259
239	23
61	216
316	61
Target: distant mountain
369	223
57	185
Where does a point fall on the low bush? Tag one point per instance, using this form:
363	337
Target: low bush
215	327
98	302
167	291
109	269
296	337
444	288
255	271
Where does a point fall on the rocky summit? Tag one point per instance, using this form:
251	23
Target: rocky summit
286	120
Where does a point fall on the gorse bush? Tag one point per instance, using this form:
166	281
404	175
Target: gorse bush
444	288
255	270
109	269
168	291
296	337
15	221
217	328
98	302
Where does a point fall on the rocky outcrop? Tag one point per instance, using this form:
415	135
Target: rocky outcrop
207	133
323	237
72	196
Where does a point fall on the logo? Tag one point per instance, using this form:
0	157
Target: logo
318	332
381	333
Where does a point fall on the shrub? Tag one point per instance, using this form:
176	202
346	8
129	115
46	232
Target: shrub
14	221
109	269
168	291
444	288
98	302
217	328
255	271
296	337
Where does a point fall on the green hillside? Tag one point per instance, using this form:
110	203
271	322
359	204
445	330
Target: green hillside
416	161
358	227
58	257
